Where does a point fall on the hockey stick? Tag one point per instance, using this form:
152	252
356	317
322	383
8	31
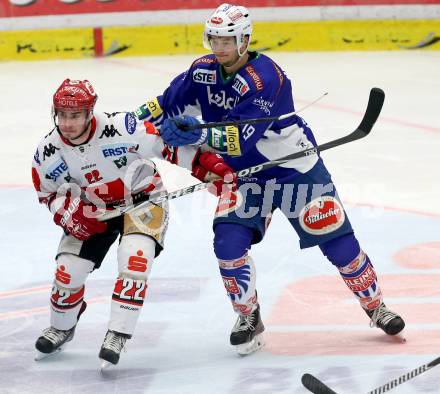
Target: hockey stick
317	387
372	112
251	121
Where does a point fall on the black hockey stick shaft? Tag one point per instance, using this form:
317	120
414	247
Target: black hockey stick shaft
315	386
375	103
239	122
402	379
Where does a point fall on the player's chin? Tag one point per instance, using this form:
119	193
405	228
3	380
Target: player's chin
225	61
70	135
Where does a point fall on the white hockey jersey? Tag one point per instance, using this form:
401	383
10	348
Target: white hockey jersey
114	163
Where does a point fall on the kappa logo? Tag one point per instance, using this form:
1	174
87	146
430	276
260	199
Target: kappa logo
240	85
112	115
220	100
205	76
49	150
322	216
109	131
255	77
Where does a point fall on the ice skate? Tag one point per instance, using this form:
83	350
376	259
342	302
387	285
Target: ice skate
111	349
388	321
52	341
246	334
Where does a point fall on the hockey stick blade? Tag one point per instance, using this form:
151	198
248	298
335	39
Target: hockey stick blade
315	386
372	112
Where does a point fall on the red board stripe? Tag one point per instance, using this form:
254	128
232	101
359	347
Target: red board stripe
97	38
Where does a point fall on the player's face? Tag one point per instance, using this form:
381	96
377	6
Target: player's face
224	49
72	123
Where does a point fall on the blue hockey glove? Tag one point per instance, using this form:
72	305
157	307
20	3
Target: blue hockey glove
173	133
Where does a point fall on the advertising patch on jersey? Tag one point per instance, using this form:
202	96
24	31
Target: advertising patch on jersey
142	112
151	129
130	122
154	107
116	149
205	60
121	162
322	216
220	99
264	105
232	141
255	77
240	85
56	170
216	139
201	75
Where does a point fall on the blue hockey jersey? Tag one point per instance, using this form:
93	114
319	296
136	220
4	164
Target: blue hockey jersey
259	89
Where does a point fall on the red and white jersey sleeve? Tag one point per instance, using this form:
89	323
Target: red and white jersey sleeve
115	162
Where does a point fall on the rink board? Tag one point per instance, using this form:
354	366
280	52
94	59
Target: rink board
365	35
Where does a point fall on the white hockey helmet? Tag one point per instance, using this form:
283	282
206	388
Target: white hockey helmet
229	21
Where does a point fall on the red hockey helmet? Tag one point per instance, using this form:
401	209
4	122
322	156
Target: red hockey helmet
74	95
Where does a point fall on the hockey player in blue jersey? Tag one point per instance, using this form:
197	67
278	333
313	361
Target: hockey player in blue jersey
234	83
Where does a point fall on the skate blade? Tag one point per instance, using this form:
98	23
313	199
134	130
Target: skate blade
40	356
107	366
399	338
250	347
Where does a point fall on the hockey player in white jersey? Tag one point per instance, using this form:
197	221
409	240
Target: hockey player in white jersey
88	163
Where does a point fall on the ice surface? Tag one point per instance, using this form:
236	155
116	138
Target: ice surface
389	182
